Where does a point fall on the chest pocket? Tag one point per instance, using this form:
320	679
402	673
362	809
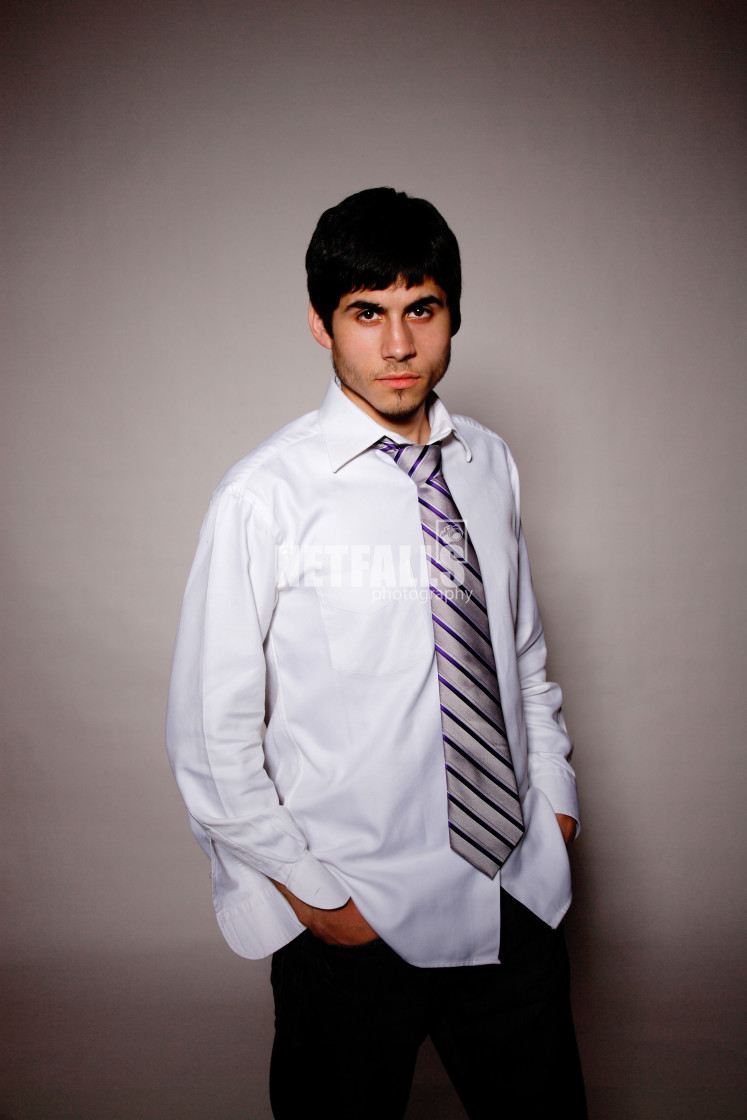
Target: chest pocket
371	631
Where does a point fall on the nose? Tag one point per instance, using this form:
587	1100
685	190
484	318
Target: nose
397	342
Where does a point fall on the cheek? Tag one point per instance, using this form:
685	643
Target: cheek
361	352
352	361
438	351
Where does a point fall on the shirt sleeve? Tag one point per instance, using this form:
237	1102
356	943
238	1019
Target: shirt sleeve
216	709
549	746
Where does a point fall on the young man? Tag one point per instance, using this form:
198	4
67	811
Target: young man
359	719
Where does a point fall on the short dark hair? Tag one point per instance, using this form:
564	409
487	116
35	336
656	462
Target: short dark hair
374	237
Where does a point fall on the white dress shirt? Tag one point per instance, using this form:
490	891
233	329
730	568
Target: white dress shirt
304	722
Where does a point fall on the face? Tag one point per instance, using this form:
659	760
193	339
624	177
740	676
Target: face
390	347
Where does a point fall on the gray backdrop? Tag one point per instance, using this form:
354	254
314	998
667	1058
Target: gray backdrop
165	164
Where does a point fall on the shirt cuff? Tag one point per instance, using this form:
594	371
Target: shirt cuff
315	885
559	787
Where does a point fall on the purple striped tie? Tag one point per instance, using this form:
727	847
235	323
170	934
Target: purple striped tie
484	810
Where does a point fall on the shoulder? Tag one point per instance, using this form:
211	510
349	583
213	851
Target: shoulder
258	487
482	441
287	451
490	458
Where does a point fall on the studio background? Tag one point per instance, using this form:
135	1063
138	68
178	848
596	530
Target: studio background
163	169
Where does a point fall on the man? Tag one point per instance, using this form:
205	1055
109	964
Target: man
359	719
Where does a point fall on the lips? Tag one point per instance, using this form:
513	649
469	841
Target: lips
402	381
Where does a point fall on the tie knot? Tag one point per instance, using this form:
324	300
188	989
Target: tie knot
421	463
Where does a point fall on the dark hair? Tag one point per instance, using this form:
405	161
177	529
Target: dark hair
374	237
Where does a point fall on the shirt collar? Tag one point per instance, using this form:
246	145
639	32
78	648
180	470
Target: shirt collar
348	431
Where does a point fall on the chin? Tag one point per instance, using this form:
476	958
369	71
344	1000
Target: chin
401	408
399	414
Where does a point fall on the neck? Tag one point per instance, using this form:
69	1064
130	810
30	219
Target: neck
413	426
416	428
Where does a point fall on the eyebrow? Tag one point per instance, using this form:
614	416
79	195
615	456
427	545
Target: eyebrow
369	305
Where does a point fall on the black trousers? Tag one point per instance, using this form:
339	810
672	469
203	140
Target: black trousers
349	1022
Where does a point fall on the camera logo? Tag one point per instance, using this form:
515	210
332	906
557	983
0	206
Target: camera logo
453	534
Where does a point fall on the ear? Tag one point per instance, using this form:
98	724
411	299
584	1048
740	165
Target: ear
318	328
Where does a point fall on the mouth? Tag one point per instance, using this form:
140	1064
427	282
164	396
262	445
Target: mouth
400	380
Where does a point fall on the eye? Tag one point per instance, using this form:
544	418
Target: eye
367	315
423	312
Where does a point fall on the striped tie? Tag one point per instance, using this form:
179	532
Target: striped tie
484	810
